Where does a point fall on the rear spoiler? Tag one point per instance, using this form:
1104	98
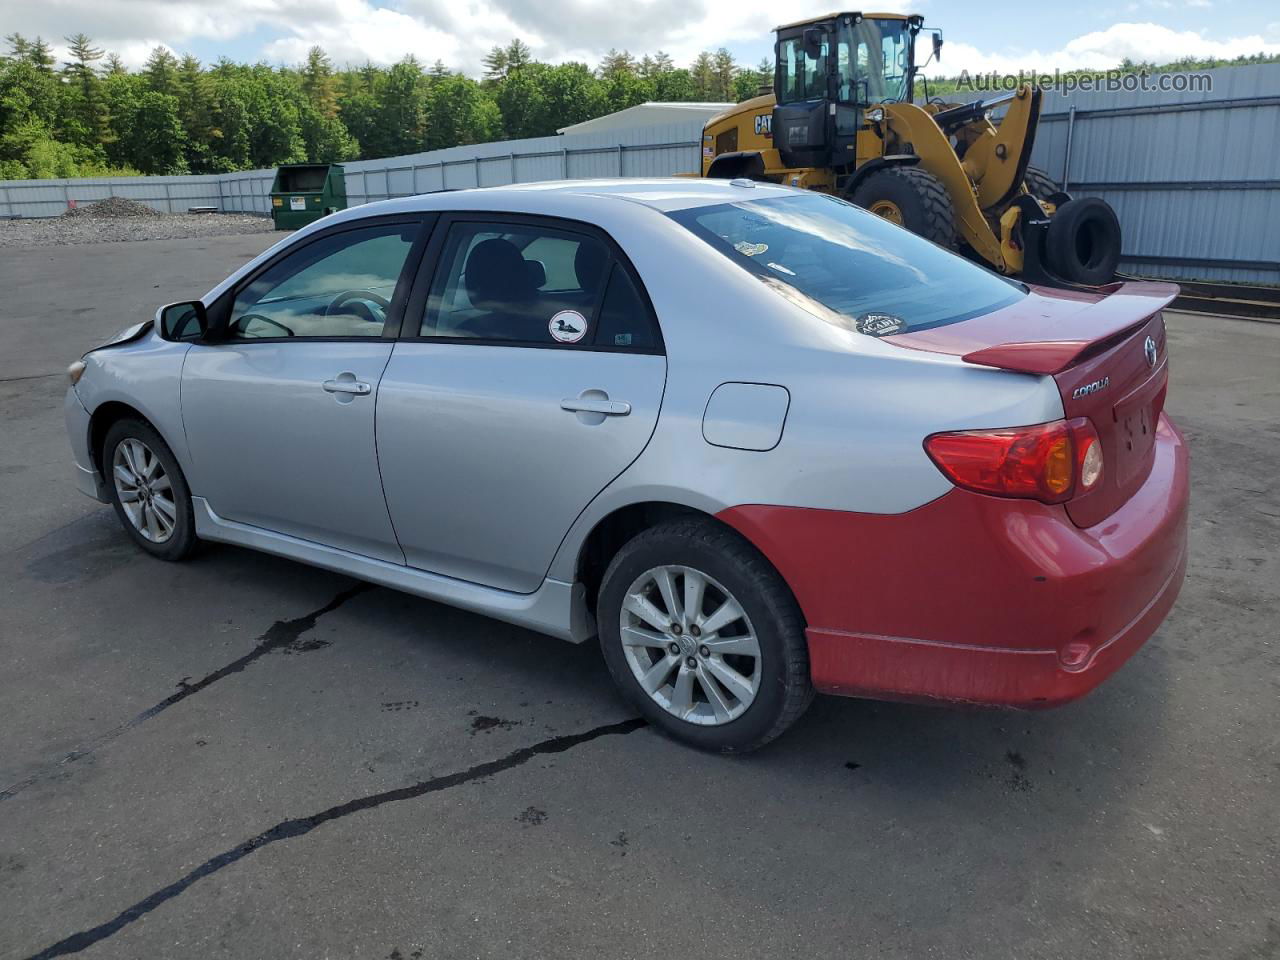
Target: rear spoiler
1122	307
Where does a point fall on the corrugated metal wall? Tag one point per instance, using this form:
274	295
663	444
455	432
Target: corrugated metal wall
48	198
1193	176
658	151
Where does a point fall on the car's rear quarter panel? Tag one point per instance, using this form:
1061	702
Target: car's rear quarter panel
859	409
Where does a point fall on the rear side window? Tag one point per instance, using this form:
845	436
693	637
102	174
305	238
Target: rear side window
517	284
625	321
849	266
526	283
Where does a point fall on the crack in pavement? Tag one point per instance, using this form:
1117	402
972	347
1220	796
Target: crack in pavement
289	829
279	635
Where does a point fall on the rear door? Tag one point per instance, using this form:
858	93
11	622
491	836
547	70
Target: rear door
529	374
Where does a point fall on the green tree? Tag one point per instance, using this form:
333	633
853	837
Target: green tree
518	54
725	71
84	120
571	93
677	86
326	139
703	72
521	100
495	63
18	46
460	111
156	139
195	107
40	56
318	83
401	110
616	62
359	94
161	71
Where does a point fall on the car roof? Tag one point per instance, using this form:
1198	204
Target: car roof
660	193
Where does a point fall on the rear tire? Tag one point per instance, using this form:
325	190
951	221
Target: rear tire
148	490
1082	243
728	676
923	204
1039	184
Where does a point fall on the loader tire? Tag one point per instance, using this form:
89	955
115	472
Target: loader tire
1039	184
1082	243
920	201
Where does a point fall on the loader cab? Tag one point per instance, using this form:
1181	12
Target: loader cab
828	71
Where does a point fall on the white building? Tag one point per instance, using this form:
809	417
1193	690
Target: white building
649	115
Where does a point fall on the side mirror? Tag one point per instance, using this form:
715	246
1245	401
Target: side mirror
813	38
182	321
937	46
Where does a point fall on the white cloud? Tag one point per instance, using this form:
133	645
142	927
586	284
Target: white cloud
1104	49
459	32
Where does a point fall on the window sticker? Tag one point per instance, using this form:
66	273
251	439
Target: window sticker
622	339
879	324
568	326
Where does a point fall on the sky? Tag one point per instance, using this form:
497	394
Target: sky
994	35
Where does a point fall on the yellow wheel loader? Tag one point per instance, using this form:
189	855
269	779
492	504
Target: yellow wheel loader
842	119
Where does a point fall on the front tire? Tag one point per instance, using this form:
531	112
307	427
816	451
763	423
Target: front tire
703	637
148	490
912	198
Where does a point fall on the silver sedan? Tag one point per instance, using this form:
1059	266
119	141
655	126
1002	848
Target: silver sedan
756	440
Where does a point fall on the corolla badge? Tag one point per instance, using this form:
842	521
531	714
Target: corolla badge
1149	348
1089	388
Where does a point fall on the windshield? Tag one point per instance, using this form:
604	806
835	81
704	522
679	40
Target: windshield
849	266
874	57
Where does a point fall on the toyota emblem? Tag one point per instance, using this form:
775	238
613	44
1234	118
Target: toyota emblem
1149	348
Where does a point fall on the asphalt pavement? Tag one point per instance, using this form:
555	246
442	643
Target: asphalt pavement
241	756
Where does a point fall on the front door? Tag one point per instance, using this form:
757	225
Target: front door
279	405
534	380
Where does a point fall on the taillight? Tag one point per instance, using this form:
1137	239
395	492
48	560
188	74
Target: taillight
1050	462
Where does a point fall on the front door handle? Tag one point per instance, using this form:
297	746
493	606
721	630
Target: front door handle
610	408
347	387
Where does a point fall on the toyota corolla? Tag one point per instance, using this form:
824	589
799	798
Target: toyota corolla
756	440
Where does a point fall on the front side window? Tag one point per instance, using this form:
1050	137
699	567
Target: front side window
517	283
338	286
803	77
849	266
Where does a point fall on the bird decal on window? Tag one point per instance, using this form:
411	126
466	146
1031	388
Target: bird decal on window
562	327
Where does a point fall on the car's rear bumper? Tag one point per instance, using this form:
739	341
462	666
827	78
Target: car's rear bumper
979	599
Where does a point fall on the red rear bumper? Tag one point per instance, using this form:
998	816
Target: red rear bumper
979	599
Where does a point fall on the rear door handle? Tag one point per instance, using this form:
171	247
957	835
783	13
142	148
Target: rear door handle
610	408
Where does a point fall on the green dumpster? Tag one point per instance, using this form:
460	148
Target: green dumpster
304	192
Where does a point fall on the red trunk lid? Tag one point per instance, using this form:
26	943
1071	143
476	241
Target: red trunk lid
1107	353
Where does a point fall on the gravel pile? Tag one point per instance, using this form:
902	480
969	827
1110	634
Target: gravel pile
84	226
113	207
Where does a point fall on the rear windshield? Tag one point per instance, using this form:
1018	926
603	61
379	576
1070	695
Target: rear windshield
849	266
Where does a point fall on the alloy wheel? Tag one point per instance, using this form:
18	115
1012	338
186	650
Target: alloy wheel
144	490
690	645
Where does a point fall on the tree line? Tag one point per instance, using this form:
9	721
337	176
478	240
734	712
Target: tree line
90	116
